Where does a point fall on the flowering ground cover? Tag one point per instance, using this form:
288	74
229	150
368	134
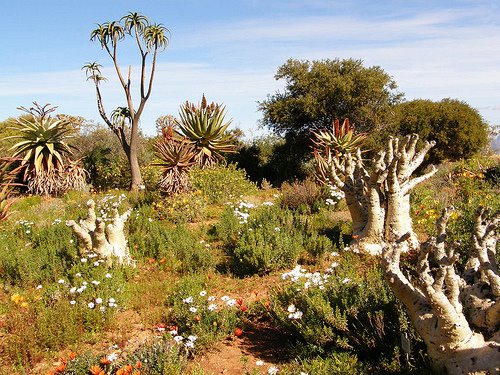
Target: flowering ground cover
258	284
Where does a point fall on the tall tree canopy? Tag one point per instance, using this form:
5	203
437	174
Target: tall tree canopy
315	94
124	121
318	92
458	129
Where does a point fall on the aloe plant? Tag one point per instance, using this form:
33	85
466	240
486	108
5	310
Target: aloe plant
42	148
176	155
8	172
340	140
330	146
206	128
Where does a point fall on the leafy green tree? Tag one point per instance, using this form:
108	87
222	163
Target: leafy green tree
458	129
124	121
317	93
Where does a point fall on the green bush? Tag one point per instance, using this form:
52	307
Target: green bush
176	244
348	308
182	208
221	183
259	240
198	313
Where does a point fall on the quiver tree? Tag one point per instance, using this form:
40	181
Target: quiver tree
124	121
106	240
378	199
456	314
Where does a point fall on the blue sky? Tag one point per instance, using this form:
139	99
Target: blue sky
230	50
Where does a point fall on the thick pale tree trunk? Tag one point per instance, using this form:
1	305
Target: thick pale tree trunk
455	344
379	199
107	241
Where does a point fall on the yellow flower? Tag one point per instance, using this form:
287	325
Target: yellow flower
24	305
17	298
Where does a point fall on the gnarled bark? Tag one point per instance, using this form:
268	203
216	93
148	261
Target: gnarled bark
378	199
107	241
459	340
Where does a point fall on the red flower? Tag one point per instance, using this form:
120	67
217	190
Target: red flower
243	308
238	332
239	301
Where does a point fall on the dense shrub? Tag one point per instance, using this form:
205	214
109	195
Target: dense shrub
221	183
266	238
301	193
348	308
178	246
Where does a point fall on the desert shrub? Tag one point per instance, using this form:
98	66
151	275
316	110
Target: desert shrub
301	193
178	245
259	240
221	183
31	254
266	238
57	314
348	308
336	363
200	316
182	208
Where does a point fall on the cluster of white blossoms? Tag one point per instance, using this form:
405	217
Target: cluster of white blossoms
307	279
336	195
188	342
26	225
88	293
294	313
242	209
105	205
211	302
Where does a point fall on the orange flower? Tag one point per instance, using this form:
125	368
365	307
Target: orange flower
238	332
138	364
96	370
60	368
72	355
136	373
121	372
151	260
50	372
105	361
256	292
129	368
354	236
162	260
197	318
267	304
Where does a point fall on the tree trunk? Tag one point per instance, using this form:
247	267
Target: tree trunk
107	241
434	301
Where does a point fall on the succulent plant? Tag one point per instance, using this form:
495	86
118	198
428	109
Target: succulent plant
176	155
205	127
340	140
42	148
